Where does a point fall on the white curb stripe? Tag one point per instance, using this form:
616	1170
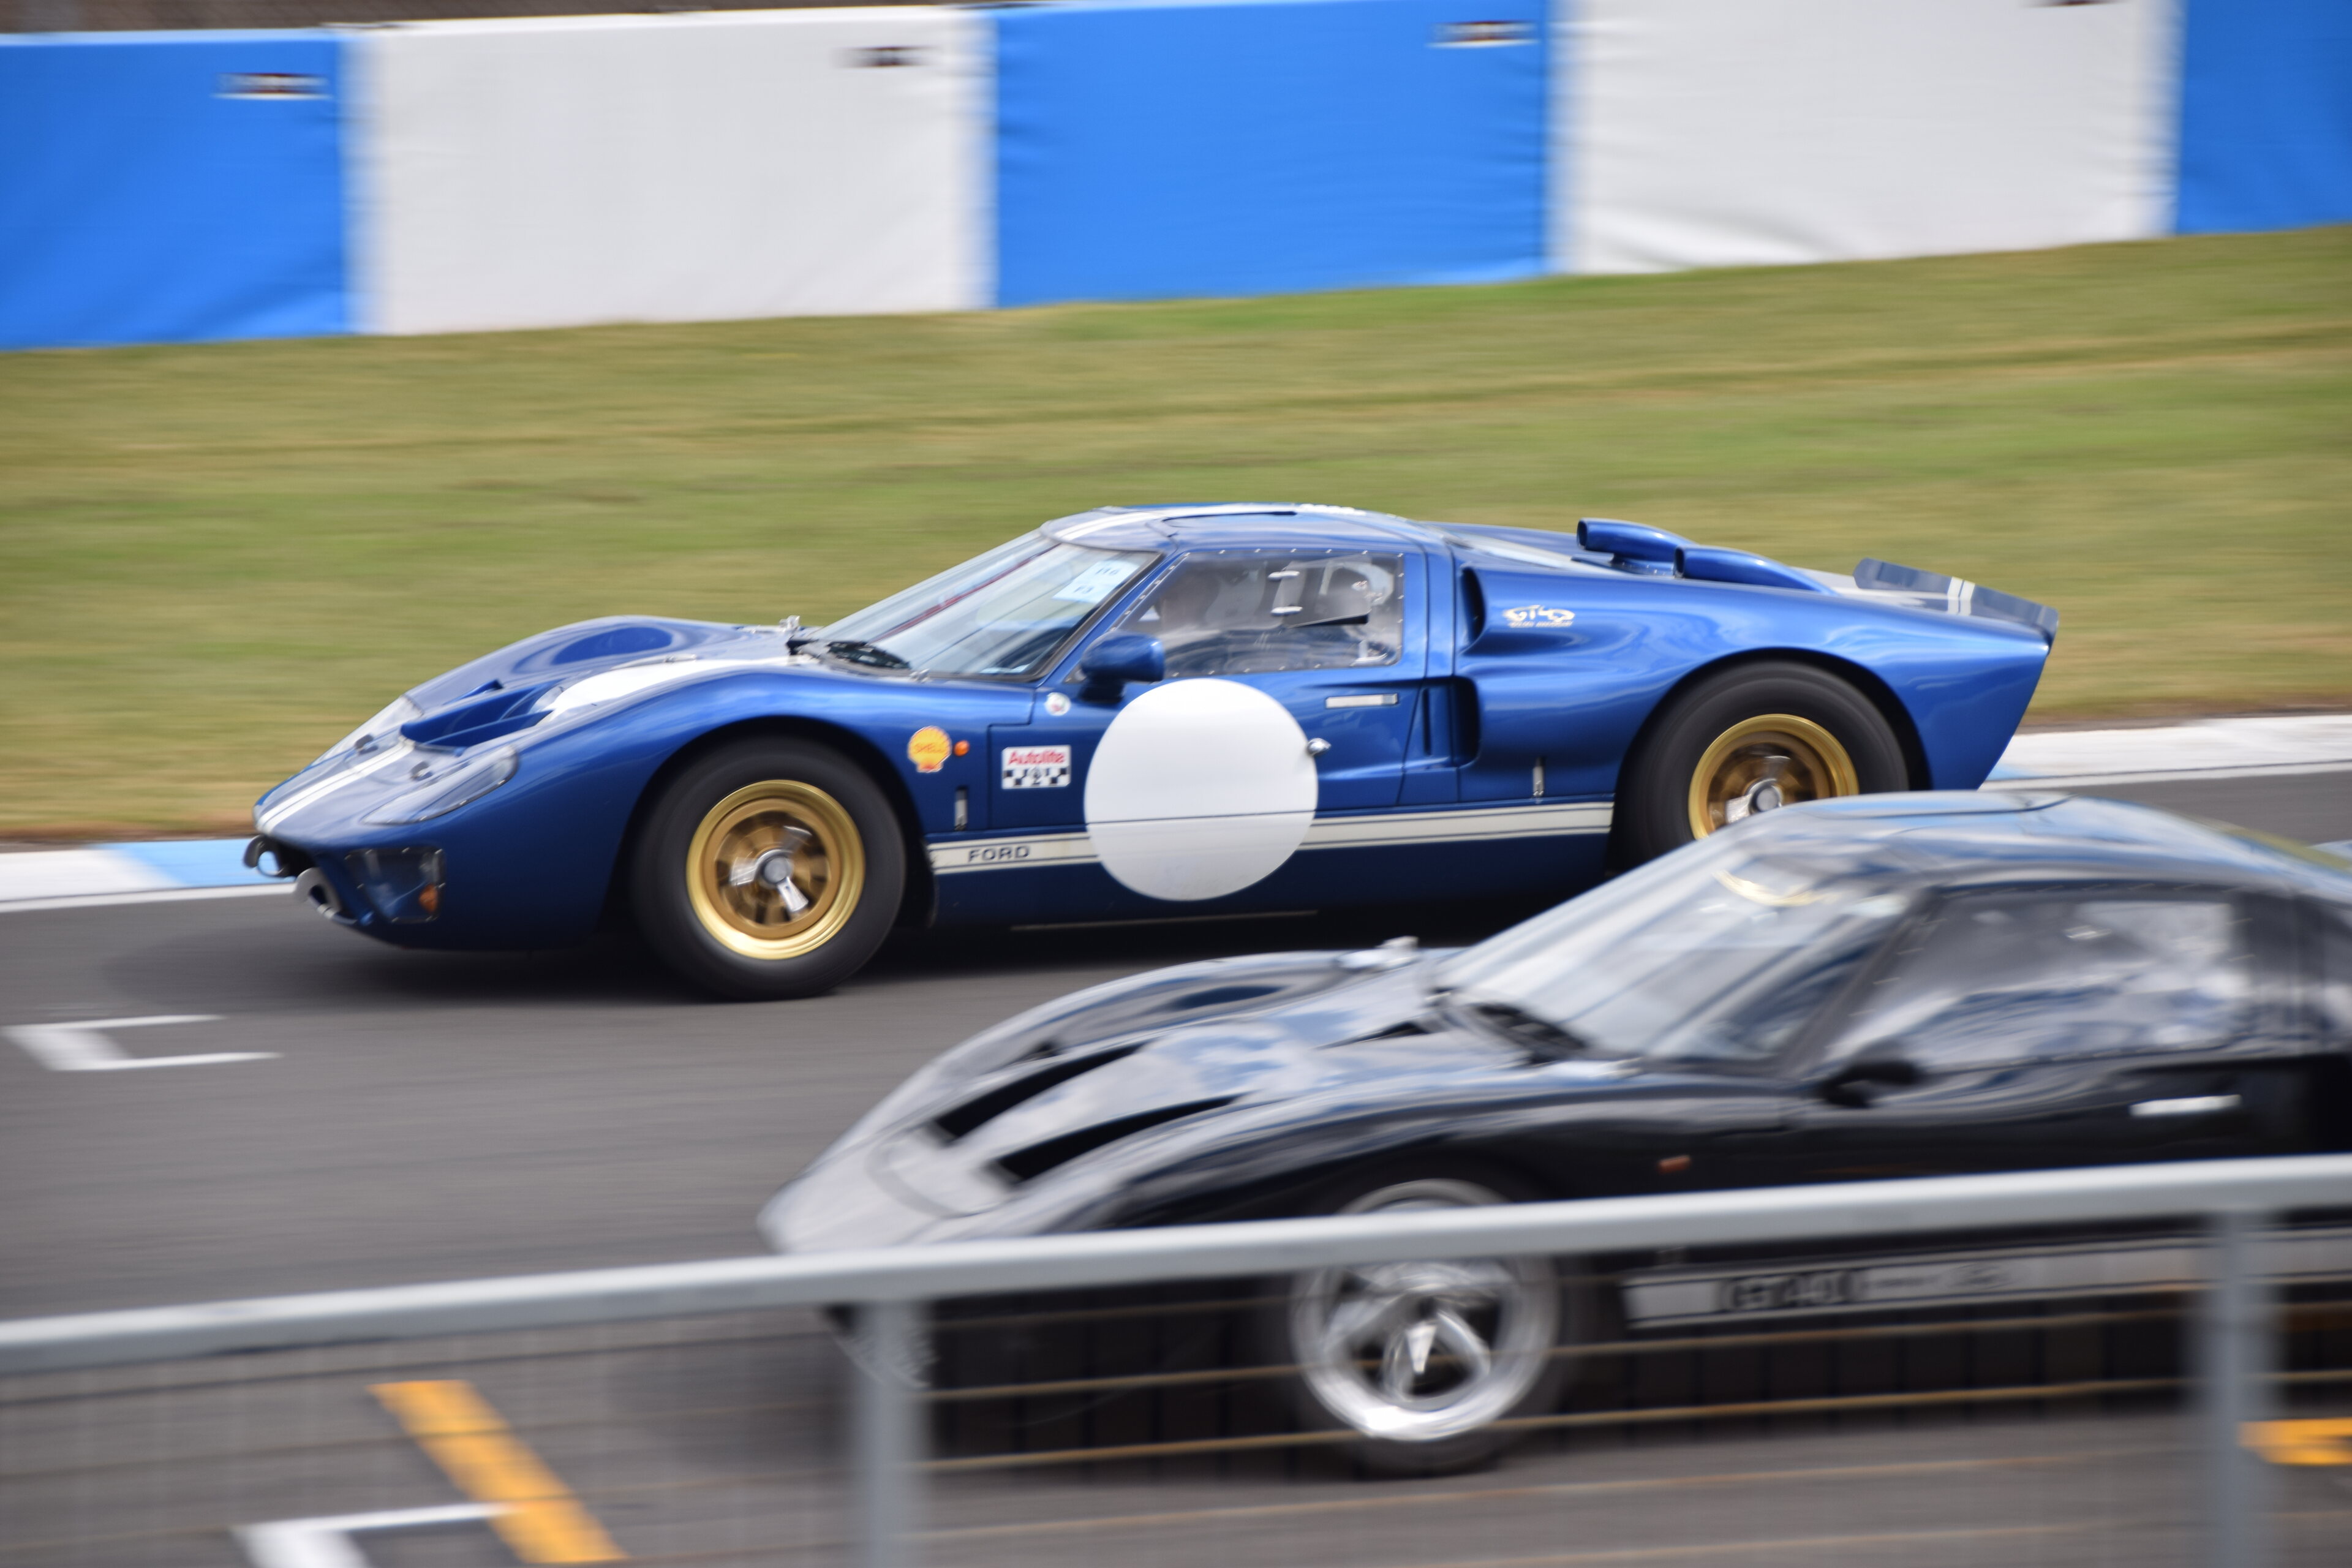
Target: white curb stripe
55	873
161	896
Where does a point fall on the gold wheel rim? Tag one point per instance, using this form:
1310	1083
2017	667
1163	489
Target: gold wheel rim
774	870
1769	760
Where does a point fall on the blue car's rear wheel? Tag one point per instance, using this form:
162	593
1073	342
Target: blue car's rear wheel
768	869
1749	739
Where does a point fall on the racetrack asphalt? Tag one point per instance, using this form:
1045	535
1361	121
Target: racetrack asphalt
424	1117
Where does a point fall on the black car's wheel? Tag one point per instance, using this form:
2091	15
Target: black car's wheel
1420	1359
768	869
1751	739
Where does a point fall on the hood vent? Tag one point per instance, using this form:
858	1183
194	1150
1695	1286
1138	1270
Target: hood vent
1218	996
959	1120
1024	1164
487	713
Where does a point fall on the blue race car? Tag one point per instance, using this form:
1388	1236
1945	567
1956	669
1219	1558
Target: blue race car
1142	712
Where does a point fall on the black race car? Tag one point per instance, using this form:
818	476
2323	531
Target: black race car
1873	987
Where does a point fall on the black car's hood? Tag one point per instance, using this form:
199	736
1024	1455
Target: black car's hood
996	1125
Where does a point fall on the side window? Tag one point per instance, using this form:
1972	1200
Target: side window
2336	973
1218	613
2005	977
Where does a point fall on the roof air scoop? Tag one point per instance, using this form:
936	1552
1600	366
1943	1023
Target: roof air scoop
1709	565
1628	541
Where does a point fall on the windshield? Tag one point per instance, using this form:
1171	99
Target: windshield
1006	612
1720	952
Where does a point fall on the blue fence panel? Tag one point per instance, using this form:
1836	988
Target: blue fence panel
2265	114
1154	150
159	187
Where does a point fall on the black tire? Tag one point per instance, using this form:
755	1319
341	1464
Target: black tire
822	851
1448	1424
1839	743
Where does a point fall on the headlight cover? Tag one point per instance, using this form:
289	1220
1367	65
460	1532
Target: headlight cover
379	731
445	783
405	885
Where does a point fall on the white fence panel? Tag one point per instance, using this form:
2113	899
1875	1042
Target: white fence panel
671	168
1728	132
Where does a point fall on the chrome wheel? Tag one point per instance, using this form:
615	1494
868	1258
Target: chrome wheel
1414	1352
774	870
1763	764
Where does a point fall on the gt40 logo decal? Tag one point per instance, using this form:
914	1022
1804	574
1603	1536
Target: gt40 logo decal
1790	1293
1036	767
1536	616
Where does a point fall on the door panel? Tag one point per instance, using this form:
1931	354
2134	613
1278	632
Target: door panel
1336	637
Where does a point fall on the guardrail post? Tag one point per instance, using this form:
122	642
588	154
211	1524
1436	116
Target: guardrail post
892	1362
2233	1333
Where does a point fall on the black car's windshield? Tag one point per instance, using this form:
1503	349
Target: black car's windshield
1720	952
1006	612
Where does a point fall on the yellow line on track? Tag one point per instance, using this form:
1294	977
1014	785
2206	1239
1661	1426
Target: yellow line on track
539	1520
2301	1442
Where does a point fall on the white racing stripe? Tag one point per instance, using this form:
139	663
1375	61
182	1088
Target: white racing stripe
302	798
1471	826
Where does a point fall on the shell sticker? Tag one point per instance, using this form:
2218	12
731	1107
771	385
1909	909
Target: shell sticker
928	749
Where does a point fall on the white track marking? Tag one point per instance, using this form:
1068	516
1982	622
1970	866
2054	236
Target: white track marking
2166	775
161	896
85	1048
59	873
327	1543
2202	748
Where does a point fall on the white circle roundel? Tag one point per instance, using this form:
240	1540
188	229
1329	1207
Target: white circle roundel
1199	789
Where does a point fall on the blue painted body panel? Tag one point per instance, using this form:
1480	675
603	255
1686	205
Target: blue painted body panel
1519	650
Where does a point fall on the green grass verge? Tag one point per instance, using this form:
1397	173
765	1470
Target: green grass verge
214	559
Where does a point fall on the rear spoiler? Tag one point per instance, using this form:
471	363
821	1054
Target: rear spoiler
1958	595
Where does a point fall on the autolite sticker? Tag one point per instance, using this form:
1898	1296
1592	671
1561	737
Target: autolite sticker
1036	767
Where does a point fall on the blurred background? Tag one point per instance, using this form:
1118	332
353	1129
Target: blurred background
2086	341
348	339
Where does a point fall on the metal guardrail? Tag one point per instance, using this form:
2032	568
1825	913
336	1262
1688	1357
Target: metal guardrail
2234	1199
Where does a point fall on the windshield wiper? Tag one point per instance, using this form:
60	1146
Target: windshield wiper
855	652
1539	1034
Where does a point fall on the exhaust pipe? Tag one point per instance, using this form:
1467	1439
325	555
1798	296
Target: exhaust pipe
319	894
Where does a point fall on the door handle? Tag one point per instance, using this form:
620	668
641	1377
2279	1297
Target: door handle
2190	1105
1363	700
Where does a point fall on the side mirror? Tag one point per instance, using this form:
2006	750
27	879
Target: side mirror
1111	663
1851	1084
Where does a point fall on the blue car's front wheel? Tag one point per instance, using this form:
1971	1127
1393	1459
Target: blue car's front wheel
768	869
